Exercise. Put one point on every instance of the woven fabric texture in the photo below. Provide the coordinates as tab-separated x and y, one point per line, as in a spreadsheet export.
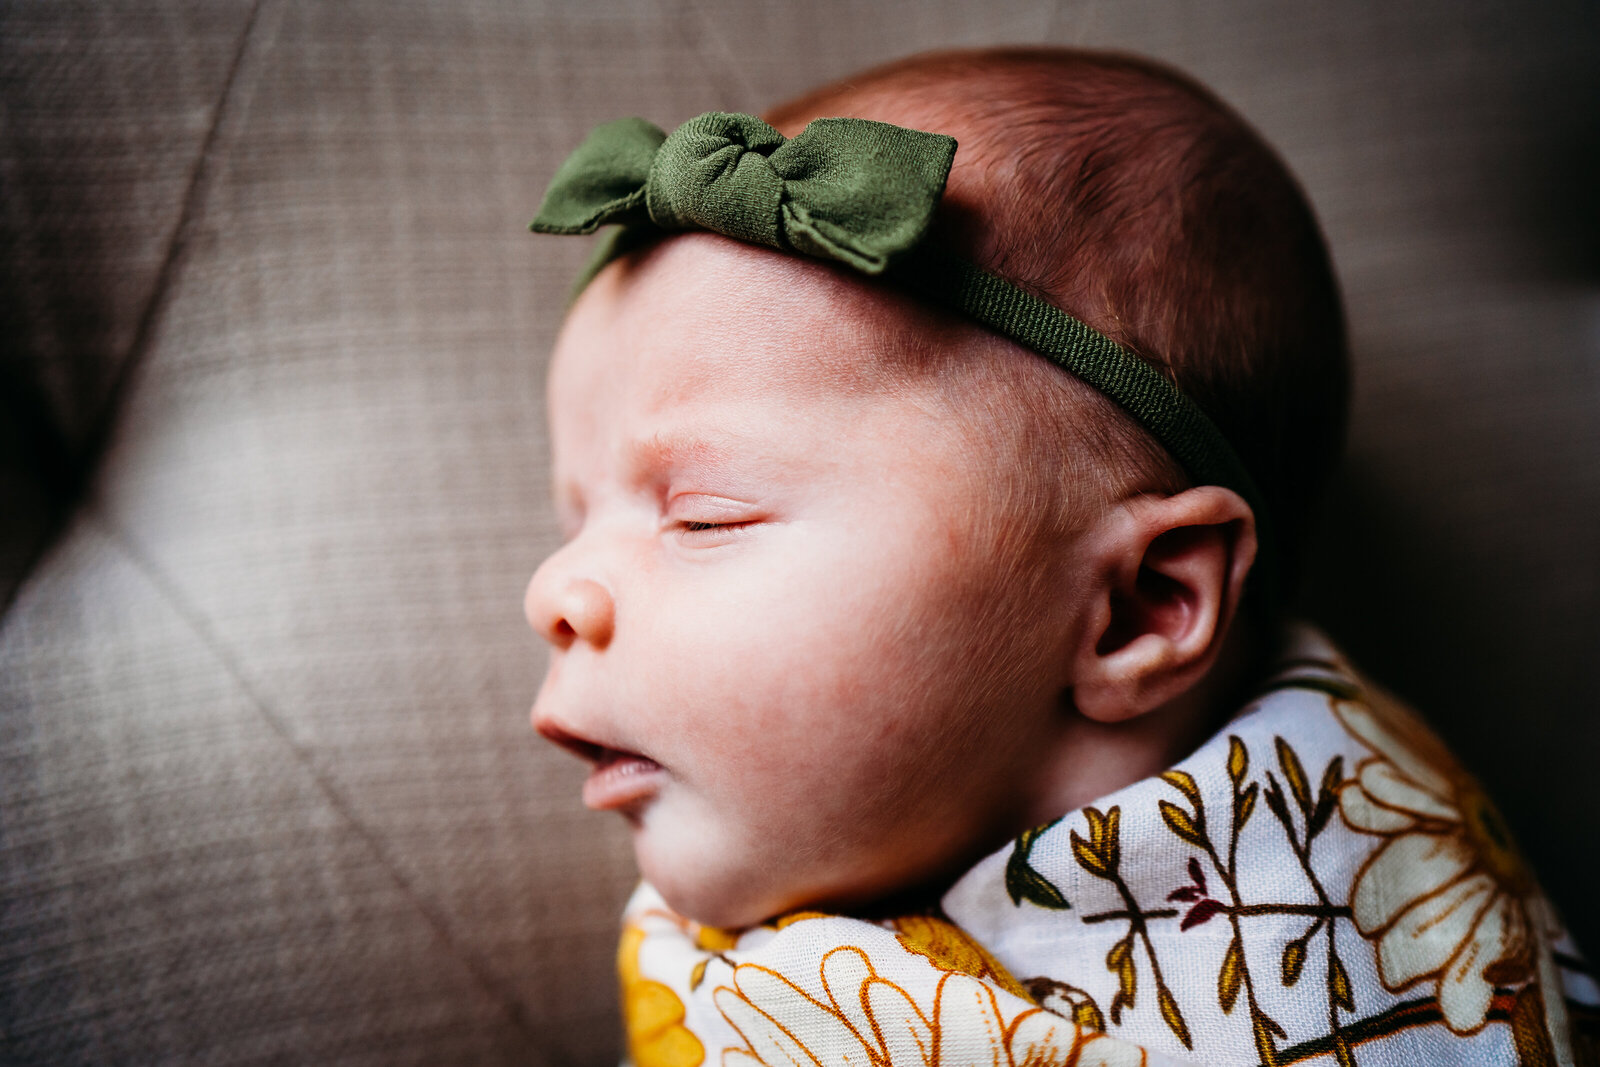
267	787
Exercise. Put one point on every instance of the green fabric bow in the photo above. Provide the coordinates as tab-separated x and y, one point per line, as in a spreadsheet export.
850	190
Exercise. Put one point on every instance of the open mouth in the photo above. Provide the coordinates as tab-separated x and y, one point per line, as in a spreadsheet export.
621	780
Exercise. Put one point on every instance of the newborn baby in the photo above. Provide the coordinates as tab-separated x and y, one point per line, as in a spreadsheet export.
945	691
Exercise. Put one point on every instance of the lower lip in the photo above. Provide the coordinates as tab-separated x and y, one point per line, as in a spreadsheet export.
621	781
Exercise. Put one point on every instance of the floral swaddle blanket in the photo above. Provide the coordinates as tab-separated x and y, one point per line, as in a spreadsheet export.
1318	883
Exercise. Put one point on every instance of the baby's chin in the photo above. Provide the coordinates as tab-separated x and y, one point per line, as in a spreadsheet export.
712	896
706	878
734	895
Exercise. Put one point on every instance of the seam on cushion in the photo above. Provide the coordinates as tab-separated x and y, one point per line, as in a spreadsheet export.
489	984
79	469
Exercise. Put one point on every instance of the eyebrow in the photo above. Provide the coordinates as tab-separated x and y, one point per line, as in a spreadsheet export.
669	446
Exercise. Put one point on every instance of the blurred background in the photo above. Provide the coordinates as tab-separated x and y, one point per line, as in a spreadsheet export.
272	471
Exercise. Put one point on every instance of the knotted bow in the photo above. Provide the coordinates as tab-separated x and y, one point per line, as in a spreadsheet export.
850	190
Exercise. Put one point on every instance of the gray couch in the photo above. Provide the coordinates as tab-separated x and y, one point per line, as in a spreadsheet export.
273	473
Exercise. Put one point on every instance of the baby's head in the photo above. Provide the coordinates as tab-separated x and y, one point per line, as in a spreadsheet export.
854	588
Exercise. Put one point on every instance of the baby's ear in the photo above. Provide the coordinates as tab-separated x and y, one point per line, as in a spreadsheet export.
1171	572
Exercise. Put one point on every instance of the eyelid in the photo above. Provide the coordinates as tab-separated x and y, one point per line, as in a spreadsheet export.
708	507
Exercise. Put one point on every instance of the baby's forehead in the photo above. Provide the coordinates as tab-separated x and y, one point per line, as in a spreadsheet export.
701	315
700	334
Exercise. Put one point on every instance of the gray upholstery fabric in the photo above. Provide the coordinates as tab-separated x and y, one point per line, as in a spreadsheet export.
196	887
105	110
267	788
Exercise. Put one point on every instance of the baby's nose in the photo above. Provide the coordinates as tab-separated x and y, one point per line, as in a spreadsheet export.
563	608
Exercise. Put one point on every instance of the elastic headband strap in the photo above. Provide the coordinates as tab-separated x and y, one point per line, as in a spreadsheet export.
863	194
1147	395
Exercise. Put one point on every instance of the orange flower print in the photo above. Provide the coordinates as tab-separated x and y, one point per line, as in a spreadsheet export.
869	1021
1446	895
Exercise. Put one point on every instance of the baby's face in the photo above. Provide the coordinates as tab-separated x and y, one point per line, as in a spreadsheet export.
806	625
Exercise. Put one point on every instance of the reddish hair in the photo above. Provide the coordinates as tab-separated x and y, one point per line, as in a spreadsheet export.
1129	196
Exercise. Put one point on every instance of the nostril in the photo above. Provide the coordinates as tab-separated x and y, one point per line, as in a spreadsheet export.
566	610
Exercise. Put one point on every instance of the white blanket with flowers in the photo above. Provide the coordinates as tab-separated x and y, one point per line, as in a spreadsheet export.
1318	883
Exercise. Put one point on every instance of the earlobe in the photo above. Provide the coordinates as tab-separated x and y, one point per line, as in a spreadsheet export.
1173	570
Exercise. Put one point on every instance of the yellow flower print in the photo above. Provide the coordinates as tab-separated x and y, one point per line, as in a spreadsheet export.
950	948
868	1021
652	1013
713	938
1446	895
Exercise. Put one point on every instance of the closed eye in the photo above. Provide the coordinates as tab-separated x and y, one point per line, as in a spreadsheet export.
697	527
704	519
698	533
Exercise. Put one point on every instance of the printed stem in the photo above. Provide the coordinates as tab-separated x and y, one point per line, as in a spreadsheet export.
1136	923
1341	1045
1302	852
1403	1016
1316	911
1111	916
1319	911
1264	1042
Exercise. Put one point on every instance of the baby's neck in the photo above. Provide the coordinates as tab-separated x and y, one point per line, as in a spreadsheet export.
1099	758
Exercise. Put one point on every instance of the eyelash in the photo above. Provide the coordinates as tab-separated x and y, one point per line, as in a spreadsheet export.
706	534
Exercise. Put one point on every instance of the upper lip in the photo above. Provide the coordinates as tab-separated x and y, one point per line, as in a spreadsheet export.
582	747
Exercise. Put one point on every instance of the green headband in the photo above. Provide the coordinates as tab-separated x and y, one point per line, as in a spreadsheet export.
864	193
